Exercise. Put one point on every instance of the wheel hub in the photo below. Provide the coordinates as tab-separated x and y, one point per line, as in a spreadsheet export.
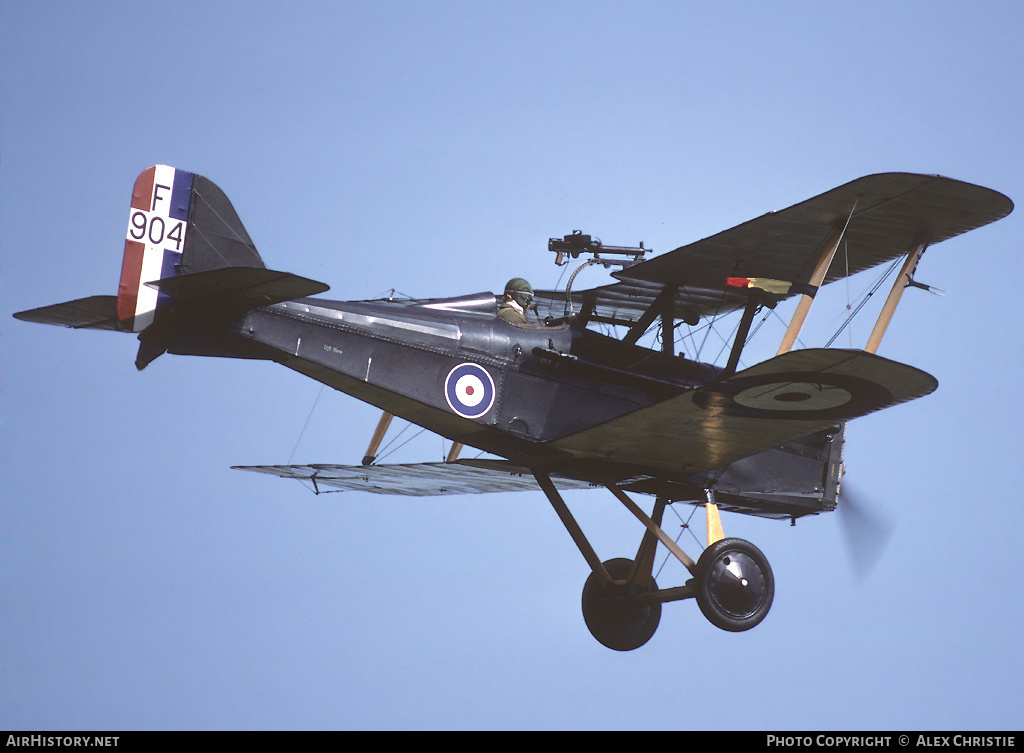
737	583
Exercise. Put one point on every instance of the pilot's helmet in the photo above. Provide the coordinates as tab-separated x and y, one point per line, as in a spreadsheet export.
519	290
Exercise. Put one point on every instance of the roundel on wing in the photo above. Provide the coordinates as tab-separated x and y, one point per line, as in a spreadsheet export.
469	390
794	395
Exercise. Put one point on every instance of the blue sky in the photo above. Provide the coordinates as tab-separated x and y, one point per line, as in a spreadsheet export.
433	148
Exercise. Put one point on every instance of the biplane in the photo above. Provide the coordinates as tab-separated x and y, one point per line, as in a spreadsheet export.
573	400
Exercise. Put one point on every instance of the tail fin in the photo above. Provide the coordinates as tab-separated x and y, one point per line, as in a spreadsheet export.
179	223
185	249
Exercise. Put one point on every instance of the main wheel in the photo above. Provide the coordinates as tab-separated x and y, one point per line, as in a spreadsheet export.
613	615
735	585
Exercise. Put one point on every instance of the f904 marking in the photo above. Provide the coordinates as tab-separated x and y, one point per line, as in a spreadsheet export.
155	229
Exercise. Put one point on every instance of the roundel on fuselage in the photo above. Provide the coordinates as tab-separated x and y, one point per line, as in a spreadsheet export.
469	390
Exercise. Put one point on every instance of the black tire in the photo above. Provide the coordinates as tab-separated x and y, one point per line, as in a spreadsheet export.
612	616
734	585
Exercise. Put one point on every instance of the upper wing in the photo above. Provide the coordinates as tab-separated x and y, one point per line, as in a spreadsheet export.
418	479
781	399
885	216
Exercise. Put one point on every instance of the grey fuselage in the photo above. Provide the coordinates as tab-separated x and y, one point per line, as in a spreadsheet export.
548	381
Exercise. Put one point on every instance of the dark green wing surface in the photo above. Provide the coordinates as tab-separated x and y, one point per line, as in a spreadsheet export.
784	398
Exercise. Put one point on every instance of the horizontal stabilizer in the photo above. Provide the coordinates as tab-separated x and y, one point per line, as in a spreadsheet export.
96	312
418	479
237	288
784	398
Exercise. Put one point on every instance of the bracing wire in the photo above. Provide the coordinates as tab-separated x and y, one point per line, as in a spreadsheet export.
863	301
303	431
385	452
685	527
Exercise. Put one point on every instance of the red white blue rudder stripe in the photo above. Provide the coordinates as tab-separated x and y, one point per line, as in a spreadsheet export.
469	390
155	239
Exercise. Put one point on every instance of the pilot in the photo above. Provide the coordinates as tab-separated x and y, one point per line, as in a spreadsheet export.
518	295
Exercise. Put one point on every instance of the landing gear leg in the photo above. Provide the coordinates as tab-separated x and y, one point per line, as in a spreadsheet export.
621	600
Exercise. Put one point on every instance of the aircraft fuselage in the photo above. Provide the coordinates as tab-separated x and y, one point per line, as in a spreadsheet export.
466	375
